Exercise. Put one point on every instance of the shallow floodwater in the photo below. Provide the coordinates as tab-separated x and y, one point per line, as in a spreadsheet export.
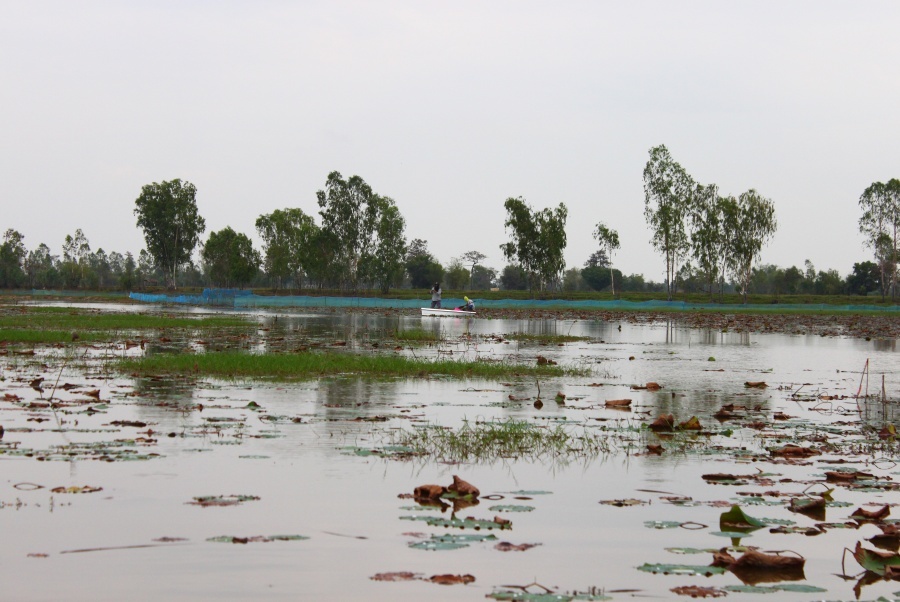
304	453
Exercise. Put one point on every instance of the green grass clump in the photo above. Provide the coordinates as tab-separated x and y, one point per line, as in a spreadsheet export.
312	364
57	318
510	439
58	324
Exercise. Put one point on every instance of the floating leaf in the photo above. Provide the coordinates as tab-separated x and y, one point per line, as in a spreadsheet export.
256	538
511	508
695	591
399	576
459	523
737	519
662	524
222	500
875	560
451	541
681	569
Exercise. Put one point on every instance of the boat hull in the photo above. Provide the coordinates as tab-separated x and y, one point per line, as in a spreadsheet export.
449	313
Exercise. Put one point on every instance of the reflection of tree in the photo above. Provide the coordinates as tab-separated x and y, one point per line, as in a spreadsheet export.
355	398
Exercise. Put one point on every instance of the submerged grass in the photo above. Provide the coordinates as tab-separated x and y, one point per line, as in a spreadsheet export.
57	324
497	440
545	338
311	364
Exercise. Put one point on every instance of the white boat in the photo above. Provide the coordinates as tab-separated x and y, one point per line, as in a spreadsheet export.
457	313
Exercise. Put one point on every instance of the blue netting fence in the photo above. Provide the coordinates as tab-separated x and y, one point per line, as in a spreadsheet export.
240	299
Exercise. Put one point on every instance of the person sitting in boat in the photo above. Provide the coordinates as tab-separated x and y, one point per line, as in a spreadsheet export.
436	296
469	305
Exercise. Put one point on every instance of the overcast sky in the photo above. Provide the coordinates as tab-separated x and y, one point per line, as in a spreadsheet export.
449	108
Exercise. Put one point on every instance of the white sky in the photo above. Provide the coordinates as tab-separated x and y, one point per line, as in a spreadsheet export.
448	108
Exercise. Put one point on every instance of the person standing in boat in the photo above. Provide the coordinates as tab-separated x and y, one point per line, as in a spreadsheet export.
436	296
469	305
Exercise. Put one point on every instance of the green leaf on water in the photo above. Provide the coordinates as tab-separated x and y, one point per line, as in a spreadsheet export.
662	524
459	523
875	560
525	596
511	508
771	589
736	518
681	569
452	541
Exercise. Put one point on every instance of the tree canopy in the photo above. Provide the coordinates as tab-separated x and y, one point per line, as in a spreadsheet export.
167	212
289	243
364	233
537	241
667	191
231	260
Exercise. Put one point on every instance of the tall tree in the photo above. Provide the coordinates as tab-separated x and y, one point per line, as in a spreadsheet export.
41	268
289	243
474	258
12	259
708	233
385	264
667	191
75	260
230	258
350	214
879	223
423	269
167	212
537	241
756	216
609	242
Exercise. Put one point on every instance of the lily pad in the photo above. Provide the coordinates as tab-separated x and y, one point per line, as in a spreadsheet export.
511	508
451	541
681	569
459	523
801	588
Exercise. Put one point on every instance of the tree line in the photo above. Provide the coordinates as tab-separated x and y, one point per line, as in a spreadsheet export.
710	242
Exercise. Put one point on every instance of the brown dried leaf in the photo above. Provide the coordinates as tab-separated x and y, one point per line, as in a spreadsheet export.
429	492
451	579
398	576
695	591
505	546
463	488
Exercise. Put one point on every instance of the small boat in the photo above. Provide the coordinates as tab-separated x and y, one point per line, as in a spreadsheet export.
457	313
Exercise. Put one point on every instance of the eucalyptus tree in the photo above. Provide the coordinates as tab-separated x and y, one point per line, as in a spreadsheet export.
538	240
879	224
289	244
755	215
474	258
712	221
167	212
609	242
41	268
75	259
385	264
667	192
360	225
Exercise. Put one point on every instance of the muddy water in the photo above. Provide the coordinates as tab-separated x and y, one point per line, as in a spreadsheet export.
300	453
